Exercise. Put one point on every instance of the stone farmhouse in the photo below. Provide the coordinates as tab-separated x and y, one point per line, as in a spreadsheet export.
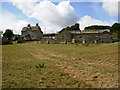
67	36
32	32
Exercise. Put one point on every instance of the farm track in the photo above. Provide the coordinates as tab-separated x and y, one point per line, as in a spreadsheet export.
71	67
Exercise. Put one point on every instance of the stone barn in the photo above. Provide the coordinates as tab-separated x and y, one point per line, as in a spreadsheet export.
105	37
66	36
100	36
32	32
63	36
77	36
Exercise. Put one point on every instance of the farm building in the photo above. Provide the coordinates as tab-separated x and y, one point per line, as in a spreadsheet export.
67	36
32	32
101	36
63	36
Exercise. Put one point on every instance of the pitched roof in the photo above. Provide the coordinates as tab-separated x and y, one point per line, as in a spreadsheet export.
35	27
71	31
32	28
24	28
75	32
96	31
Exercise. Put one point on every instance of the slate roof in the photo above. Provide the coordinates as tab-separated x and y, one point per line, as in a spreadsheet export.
71	31
87	32
35	27
96	31
24	28
32	28
75	32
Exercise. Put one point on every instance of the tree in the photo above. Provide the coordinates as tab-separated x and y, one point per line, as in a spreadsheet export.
1	32
115	29
73	27
8	34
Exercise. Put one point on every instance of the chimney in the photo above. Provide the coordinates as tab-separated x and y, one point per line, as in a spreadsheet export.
36	24
28	25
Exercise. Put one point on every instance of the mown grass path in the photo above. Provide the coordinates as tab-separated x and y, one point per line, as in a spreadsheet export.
66	66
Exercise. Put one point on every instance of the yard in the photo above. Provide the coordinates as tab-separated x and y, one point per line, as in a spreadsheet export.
65	66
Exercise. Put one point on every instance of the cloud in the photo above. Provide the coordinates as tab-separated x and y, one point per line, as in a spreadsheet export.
26	6
10	21
111	7
52	17
49	14
88	21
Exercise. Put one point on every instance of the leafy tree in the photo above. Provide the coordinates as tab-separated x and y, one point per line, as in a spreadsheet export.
1	32
8	34
73	27
115	29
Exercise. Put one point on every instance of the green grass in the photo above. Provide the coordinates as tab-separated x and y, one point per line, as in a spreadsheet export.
65	66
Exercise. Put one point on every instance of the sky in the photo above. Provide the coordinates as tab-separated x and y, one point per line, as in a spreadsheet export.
53	16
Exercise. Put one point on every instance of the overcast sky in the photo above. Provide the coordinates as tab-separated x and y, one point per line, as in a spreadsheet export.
53	16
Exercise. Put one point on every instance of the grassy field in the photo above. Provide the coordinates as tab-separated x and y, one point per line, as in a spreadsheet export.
65	66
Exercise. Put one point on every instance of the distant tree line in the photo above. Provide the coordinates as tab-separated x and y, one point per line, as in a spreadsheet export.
114	29
96	27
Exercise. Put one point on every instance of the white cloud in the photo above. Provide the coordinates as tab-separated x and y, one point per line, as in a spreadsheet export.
10	21
25	7
49	14
111	7
58	15
52	17
88	21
